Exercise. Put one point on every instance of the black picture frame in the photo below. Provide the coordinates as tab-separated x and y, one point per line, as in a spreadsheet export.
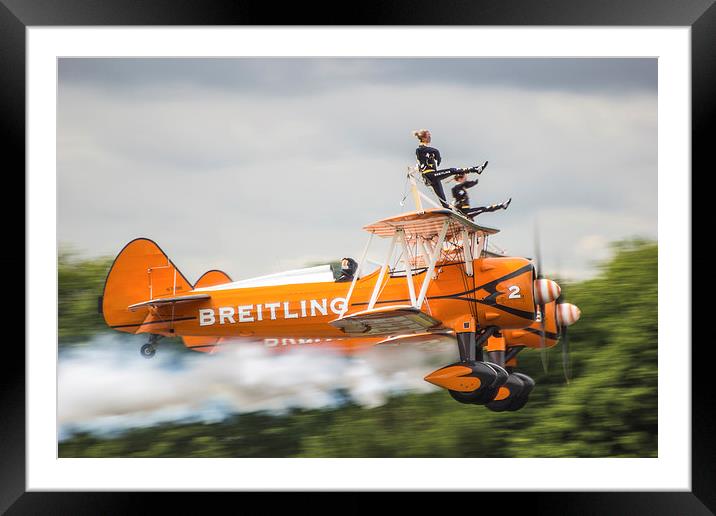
17	15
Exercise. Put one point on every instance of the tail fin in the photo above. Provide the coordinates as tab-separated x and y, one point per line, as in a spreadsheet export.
207	344
141	271
212	278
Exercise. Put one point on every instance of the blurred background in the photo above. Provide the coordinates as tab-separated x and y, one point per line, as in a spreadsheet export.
258	165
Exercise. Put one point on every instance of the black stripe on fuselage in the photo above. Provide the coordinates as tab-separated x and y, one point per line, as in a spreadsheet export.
490	286
547	334
508	309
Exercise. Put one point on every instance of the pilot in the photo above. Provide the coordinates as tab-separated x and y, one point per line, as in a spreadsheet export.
348	269
461	200
428	162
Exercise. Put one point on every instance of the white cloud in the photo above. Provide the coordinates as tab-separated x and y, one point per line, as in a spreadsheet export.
251	181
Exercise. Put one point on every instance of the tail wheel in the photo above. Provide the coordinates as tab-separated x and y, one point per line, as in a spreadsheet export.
147	351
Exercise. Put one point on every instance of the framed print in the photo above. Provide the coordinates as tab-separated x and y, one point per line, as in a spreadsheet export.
175	162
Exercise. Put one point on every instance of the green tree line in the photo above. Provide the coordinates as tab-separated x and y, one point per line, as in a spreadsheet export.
609	409
80	282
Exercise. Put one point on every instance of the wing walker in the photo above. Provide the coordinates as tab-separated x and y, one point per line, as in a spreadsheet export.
438	282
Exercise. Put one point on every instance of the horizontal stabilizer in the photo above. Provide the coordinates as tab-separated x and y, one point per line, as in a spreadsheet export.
168	300
387	320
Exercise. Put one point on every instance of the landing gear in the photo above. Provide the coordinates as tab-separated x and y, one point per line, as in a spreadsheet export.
149	349
471	380
474	381
491	377
521	400
514	394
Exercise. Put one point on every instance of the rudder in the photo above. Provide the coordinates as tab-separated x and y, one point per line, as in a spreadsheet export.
140	272
207	344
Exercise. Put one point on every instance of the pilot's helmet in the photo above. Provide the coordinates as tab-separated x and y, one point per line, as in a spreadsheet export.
423	136
348	265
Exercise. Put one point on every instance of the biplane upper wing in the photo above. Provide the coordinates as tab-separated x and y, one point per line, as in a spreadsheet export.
386	320
426	224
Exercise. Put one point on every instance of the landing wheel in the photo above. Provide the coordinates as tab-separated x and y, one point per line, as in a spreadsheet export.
468	398
521	401
147	351
518	388
512	390
492	378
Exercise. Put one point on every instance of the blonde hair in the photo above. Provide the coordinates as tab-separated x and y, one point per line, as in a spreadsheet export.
423	135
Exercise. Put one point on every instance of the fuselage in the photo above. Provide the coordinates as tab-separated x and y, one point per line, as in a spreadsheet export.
498	293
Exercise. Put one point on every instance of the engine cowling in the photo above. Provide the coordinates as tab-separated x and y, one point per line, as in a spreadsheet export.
505	292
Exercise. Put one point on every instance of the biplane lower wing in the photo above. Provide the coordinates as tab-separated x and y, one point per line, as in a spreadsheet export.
436	340
386	320
168	300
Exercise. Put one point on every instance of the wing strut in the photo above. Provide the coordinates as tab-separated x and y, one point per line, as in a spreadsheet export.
408	268
417	194
433	260
356	275
466	241
426	248
386	264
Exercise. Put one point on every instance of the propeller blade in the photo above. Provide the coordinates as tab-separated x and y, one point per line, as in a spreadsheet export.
566	359
566	362
542	344
538	253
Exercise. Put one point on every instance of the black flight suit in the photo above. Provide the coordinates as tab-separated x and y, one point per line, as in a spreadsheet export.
462	201
429	161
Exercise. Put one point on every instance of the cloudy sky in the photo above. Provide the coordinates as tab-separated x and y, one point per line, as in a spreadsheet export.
258	165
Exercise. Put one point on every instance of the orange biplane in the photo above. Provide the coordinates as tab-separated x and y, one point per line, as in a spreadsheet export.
437	282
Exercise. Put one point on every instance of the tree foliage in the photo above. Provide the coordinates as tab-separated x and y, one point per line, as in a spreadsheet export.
79	284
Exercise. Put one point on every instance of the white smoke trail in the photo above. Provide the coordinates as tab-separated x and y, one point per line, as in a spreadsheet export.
106	386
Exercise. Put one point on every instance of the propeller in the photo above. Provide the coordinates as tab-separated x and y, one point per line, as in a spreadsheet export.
563	336
547	291
566	314
544	357
566	362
